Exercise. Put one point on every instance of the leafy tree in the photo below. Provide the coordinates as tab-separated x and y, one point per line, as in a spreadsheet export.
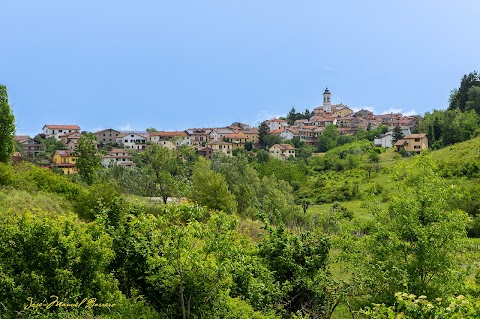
361	133
168	168
262	156
243	182
328	139
276	200
345	139
416	241
376	132
473	102
409	306
300	266
263	131
210	188
45	254
88	161
7	127
272	139
248	146
151	130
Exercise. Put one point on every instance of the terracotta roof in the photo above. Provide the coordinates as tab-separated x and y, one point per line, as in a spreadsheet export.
58	127
401	142
284	146
236	135
169	134
277	131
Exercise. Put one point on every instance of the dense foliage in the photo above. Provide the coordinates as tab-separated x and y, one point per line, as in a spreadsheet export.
7	127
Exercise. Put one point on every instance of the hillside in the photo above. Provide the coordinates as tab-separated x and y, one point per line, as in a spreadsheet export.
264	258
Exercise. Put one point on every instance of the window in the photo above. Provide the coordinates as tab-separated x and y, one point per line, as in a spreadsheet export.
417	147
417	140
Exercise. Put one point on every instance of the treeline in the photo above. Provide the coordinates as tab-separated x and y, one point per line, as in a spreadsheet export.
461	121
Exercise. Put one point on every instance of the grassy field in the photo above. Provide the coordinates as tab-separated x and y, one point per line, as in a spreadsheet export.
21	200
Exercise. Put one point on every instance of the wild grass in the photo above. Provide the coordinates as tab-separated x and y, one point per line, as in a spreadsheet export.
22	200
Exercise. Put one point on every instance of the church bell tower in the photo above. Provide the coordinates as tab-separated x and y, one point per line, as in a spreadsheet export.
326	98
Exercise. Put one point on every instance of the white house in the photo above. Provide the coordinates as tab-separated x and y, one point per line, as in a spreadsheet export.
131	140
53	130
217	134
276	124
385	140
117	156
285	133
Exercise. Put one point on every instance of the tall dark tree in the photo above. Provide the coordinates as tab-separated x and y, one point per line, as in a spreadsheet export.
7	127
459	97
292	116
307	114
263	131
397	134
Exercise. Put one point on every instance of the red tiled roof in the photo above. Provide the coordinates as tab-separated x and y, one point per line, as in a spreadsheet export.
58	127
236	135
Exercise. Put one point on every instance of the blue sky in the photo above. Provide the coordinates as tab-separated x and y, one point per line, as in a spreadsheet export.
180	64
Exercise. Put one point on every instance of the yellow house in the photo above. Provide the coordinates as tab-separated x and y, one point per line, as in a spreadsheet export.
342	111
252	135
413	143
237	139
223	147
282	151
66	161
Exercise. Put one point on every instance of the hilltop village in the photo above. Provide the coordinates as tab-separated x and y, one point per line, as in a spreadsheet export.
118	146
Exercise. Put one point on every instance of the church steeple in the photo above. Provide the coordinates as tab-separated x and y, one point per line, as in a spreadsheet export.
326	98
